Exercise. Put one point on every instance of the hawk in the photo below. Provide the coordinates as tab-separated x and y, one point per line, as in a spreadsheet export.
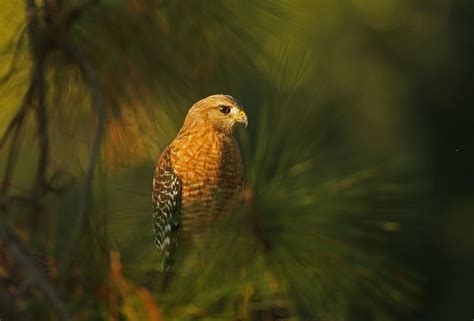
198	177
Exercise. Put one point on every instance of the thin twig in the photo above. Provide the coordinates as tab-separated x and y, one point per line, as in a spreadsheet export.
14	127
11	160
42	122
92	80
14	63
23	258
19	116
38	53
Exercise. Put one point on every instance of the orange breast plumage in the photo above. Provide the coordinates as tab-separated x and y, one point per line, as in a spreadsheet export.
209	168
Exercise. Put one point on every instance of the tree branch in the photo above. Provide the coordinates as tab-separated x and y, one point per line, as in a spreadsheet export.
14	127
34	274
19	116
92	80
16	54
38	53
42	122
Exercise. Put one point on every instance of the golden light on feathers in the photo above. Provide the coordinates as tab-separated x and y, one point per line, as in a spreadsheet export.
211	111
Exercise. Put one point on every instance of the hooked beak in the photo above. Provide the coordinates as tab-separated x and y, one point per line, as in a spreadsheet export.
242	118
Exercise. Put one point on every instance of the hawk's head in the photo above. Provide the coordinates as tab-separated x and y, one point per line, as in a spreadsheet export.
220	111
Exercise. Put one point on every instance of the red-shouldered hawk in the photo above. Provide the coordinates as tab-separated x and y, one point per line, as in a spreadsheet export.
199	175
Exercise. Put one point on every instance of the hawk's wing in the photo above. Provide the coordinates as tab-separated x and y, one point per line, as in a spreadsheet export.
166	202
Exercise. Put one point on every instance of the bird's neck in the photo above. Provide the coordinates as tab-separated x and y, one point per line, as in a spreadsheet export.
193	136
193	146
199	126
200	129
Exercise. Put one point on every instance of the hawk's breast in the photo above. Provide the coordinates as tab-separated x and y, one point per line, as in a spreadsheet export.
210	170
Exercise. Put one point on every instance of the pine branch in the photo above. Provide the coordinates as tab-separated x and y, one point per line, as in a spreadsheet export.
91	78
35	276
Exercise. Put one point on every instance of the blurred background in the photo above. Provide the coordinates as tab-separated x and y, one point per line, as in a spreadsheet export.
358	158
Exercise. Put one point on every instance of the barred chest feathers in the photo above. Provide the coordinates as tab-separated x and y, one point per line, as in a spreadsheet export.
208	164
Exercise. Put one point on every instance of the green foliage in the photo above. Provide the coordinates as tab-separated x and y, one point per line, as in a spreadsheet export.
343	166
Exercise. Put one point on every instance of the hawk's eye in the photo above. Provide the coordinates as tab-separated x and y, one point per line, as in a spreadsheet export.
224	109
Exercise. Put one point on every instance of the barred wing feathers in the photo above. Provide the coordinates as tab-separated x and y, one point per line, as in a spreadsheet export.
166	207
